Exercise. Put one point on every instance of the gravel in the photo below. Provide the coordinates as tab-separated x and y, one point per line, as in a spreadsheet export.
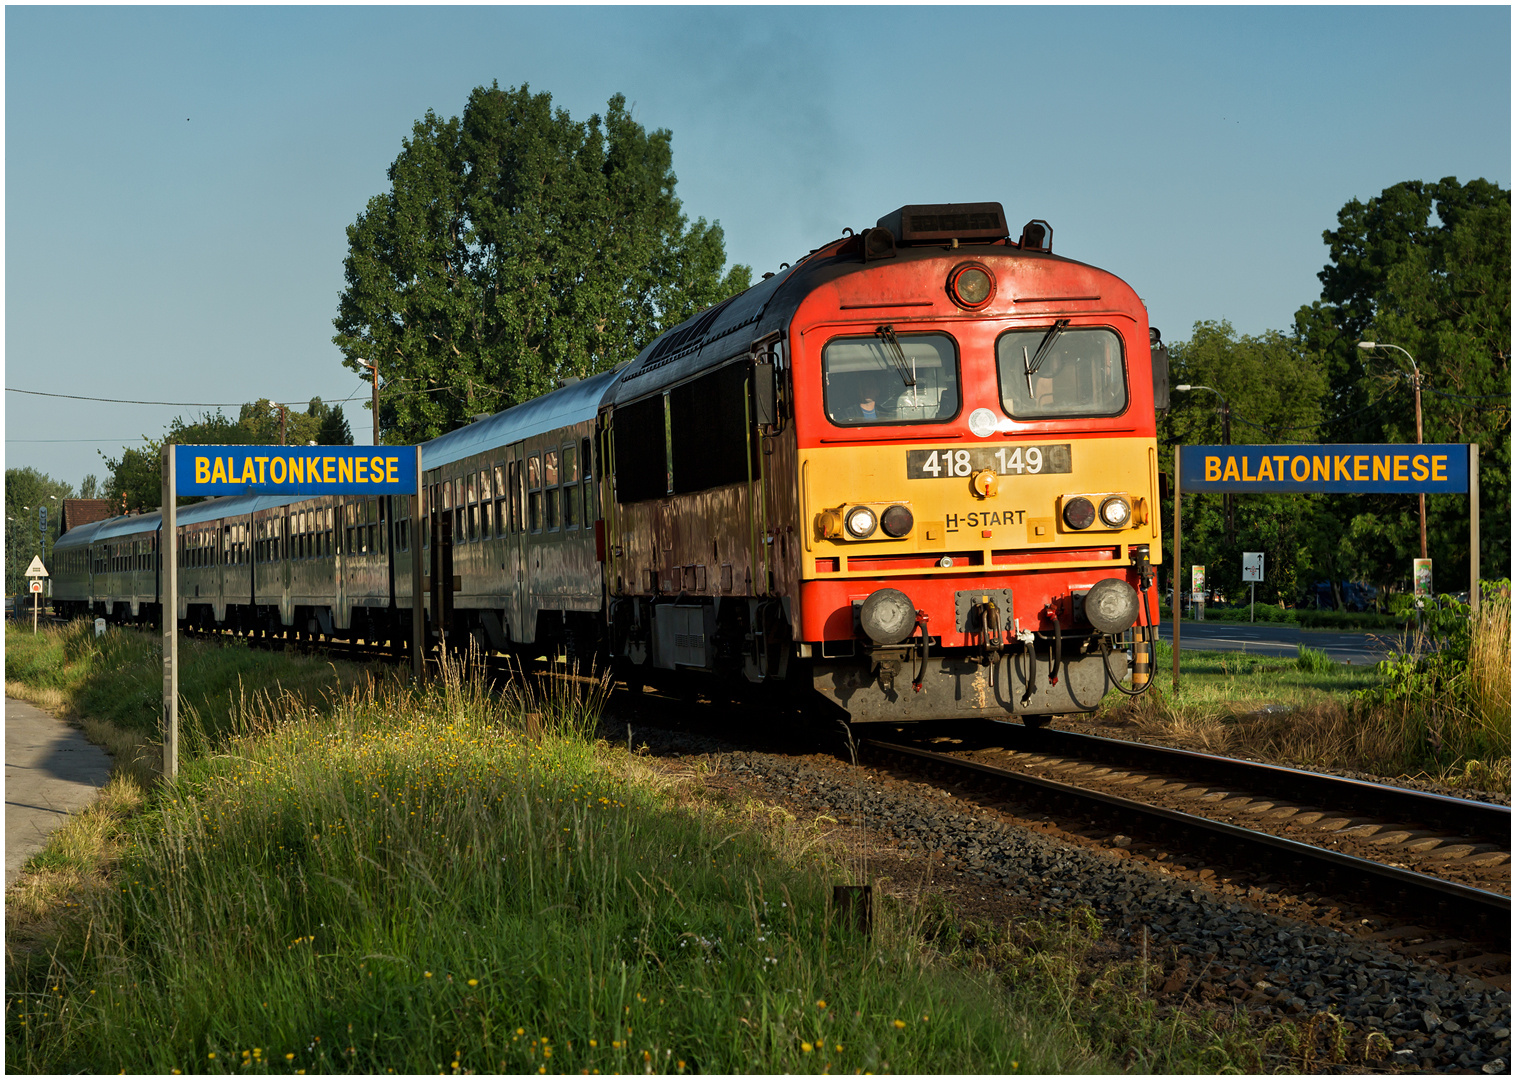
1434	1019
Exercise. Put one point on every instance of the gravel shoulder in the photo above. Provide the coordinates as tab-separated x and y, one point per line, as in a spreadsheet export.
1220	946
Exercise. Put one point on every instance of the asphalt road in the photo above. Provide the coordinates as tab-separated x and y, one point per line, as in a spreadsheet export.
51	770
1271	639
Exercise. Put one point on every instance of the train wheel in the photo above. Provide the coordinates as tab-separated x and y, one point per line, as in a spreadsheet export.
1036	721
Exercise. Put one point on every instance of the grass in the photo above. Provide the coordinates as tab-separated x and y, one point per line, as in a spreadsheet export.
460	881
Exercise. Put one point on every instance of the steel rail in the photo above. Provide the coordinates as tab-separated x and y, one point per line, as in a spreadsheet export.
1466	817
1473	914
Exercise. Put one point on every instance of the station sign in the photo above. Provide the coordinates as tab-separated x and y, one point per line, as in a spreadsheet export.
1343	468
295	470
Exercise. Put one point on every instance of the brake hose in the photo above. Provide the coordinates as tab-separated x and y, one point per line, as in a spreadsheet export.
922	619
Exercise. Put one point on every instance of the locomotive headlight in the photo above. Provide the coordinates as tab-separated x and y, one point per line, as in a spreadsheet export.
1079	512
1115	512
861	522
971	285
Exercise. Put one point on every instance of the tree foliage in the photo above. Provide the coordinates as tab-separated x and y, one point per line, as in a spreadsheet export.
25	490
517	246
1425	266
1275	391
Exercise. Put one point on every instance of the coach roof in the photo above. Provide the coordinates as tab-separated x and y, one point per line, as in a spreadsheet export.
574	404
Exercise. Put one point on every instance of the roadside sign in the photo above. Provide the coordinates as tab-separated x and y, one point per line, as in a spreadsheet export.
36	569
1252	566
1421	577
36	585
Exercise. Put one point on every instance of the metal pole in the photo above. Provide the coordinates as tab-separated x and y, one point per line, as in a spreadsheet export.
418	616
1174	574
168	562
1421	496
373	373
1473	528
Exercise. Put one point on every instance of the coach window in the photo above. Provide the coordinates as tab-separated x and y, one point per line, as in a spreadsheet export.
1050	371
534	493
550	485
373	527
589	492
501	512
484	504
888	379
473	508
570	481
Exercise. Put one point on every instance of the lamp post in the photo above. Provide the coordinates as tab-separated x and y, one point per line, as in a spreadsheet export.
1226	439
1421	497
373	371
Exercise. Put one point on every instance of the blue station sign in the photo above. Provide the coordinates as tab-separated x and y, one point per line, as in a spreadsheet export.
295	470
1341	468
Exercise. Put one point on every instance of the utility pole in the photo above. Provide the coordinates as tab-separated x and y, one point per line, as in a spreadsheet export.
283	415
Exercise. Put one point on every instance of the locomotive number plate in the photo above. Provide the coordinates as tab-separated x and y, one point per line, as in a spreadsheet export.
1018	460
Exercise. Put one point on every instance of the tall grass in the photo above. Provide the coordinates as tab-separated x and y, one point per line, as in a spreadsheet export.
410	880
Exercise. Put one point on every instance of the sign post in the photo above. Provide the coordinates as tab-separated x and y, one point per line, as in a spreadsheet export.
280	471
1252	573
35	571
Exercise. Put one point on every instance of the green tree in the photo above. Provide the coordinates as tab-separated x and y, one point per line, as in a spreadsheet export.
517	246
1425	266
27	489
1275	392
334	430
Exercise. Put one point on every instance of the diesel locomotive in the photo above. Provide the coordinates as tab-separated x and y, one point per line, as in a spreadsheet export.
913	475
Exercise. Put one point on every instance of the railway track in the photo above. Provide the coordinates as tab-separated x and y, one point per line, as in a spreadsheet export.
1070	776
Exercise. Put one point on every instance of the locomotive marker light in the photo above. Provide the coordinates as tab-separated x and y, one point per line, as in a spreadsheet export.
861	522
275	470
1079	512
897	521
1115	512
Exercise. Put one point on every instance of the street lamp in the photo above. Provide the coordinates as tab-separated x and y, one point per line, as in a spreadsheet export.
1421	497
1226	439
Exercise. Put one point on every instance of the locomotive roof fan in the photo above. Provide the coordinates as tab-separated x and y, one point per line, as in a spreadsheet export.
937	223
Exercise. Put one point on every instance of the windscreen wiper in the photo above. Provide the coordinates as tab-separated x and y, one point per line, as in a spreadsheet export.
896	354
1035	362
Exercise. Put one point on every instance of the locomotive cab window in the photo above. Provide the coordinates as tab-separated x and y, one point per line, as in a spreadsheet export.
1055	371
890	379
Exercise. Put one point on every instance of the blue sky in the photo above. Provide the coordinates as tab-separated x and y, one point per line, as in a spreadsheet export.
178	179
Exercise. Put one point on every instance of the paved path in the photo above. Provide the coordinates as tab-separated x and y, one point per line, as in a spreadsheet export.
50	770
1272	639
